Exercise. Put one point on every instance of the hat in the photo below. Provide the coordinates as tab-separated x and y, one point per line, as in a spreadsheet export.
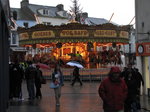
115	70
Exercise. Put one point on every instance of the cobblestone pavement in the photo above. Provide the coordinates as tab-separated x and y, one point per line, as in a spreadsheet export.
74	99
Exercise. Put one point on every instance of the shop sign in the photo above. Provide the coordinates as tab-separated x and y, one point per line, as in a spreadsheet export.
143	49
74	33
23	36
105	33
42	34
124	34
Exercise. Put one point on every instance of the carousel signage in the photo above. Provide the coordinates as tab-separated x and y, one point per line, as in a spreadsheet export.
74	33
124	34
43	34
105	33
24	36
143	49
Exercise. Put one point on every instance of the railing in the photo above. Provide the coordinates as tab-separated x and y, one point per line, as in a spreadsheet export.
86	74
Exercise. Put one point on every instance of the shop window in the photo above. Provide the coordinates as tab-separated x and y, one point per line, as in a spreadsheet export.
47	23
14	39
26	25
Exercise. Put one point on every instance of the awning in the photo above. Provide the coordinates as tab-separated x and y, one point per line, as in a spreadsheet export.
19	49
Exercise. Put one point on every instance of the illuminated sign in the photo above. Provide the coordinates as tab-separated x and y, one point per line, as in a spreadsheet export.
23	36
124	34
105	33
43	34
74	33
143	49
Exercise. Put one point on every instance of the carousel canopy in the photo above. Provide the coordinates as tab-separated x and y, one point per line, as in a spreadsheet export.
74	32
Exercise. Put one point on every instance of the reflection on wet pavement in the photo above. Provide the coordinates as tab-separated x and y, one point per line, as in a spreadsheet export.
73	99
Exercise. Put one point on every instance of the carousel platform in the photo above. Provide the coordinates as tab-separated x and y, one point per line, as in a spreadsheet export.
93	74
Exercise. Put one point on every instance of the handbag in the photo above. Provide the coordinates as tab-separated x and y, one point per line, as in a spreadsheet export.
53	86
43	81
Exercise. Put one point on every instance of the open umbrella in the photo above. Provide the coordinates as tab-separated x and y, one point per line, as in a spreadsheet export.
75	63
42	66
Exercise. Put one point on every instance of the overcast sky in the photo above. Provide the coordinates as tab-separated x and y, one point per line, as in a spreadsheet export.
124	10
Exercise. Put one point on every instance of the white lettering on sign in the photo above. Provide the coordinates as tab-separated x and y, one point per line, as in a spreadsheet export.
147	47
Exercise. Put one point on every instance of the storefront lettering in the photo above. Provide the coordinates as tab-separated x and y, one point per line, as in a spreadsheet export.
105	33
42	34
147	47
74	33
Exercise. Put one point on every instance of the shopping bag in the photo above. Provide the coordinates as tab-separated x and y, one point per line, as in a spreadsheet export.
52	85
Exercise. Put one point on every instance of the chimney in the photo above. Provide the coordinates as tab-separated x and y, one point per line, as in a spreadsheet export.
24	3
85	15
60	7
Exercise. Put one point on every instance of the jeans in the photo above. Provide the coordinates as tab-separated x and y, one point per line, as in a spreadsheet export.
30	87
57	94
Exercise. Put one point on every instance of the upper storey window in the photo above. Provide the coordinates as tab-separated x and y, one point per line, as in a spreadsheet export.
45	12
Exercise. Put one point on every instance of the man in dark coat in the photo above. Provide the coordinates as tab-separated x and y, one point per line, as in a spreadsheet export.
16	77
38	81
133	80
30	74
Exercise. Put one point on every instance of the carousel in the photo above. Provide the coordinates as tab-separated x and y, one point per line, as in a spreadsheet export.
93	46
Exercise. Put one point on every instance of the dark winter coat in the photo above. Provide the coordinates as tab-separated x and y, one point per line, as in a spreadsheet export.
30	73
38	78
113	94
76	72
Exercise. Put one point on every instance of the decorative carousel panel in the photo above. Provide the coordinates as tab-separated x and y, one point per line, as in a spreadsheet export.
105	33
43	34
23	36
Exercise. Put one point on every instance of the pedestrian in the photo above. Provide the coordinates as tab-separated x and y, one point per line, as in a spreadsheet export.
139	79
57	78
113	91
76	76
133	80
30	74
16	77
38	82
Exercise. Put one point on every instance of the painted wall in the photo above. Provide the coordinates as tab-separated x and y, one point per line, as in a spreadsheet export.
146	74
53	21
142	14
21	22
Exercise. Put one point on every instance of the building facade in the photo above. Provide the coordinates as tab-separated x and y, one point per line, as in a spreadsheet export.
4	34
143	40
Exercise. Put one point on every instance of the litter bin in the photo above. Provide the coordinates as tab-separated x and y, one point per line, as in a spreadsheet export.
148	90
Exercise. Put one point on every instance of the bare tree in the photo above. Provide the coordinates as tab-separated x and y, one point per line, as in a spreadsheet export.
75	10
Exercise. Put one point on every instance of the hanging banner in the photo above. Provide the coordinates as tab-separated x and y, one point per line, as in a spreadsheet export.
143	49
74	33
105	33
42	34
23	36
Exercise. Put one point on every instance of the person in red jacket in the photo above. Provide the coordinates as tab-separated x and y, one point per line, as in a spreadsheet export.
113	91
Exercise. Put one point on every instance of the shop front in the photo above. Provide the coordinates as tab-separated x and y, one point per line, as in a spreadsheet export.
143	62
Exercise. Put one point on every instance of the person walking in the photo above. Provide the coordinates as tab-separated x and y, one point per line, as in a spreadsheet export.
133	80
57	78
30	74
38	81
113	91
76	76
